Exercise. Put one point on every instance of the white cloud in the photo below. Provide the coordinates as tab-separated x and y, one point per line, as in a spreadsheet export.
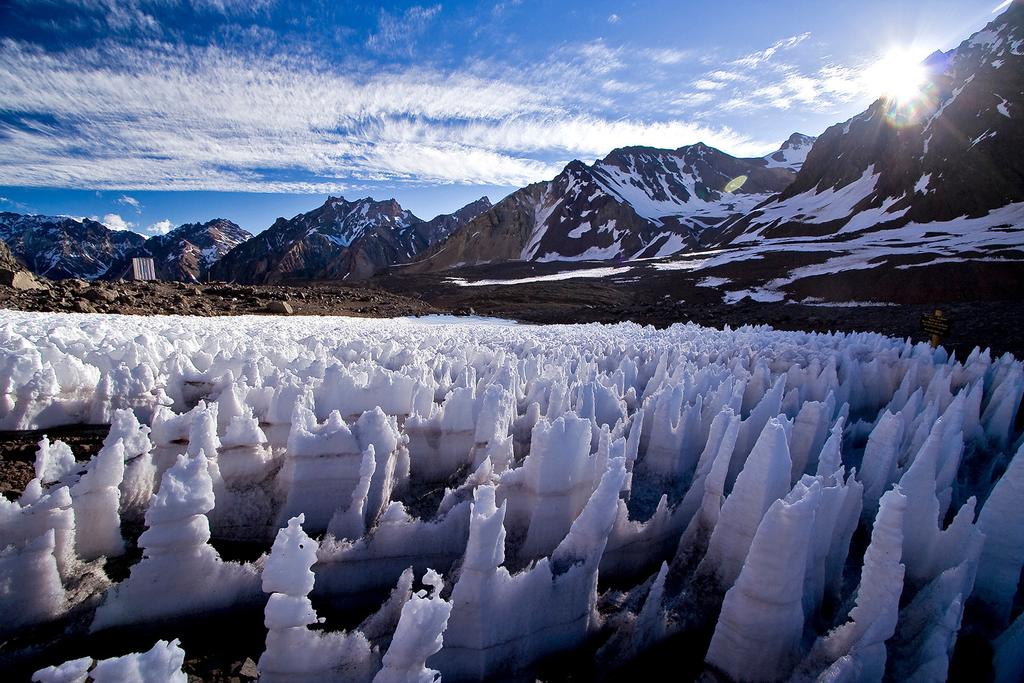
500	7
617	86
599	57
668	56
396	33
206	119
759	81
115	222
820	90
613	18
160	227
1001	6
761	56
707	84
727	75
130	201
692	99
166	116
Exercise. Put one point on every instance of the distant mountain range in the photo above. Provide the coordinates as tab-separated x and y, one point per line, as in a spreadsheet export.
60	247
340	240
943	182
185	253
875	201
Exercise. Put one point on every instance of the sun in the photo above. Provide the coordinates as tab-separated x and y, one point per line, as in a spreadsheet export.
898	76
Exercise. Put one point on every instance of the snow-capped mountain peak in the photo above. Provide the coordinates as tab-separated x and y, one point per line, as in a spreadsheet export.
636	202
792	153
186	253
339	239
60	247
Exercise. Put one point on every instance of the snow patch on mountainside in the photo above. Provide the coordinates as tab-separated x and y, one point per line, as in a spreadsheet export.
553	277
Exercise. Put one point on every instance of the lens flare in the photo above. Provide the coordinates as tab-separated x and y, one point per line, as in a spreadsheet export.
735	184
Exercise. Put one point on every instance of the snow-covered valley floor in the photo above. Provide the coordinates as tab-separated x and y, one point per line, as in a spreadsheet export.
490	496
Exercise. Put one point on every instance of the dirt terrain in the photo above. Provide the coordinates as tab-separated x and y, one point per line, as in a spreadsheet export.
175	298
661	298
648	293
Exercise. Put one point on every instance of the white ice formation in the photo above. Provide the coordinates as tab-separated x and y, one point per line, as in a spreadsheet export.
583	488
160	664
180	572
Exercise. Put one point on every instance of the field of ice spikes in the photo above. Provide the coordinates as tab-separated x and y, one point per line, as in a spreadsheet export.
483	499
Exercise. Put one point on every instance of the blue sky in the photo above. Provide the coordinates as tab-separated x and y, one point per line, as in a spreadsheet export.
150	113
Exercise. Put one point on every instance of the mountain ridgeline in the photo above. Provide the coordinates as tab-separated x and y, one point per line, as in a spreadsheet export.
60	247
186	253
637	202
340	240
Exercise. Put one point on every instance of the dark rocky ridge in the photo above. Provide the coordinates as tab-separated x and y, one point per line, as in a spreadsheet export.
637	202
336	236
953	152
7	260
342	239
438	228
186	253
59	247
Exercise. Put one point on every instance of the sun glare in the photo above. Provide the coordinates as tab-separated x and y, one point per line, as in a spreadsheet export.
898	75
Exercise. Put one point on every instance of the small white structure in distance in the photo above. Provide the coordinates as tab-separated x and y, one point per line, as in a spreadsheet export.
143	269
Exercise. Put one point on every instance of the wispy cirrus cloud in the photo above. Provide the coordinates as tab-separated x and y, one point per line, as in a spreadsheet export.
131	202
708	84
138	17
762	56
668	56
787	87
764	80
395	32
204	118
7	204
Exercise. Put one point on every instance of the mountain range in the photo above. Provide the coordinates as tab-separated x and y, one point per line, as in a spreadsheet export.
939	179
637	202
59	247
186	253
341	239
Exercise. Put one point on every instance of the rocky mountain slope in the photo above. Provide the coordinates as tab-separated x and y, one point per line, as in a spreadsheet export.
186	253
61	247
440	227
341	239
637	202
924	194
7	260
952	152
793	152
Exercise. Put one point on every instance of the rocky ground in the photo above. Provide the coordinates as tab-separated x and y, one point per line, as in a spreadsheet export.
644	294
18	452
166	298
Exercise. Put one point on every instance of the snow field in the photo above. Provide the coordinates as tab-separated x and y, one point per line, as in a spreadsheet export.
543	486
